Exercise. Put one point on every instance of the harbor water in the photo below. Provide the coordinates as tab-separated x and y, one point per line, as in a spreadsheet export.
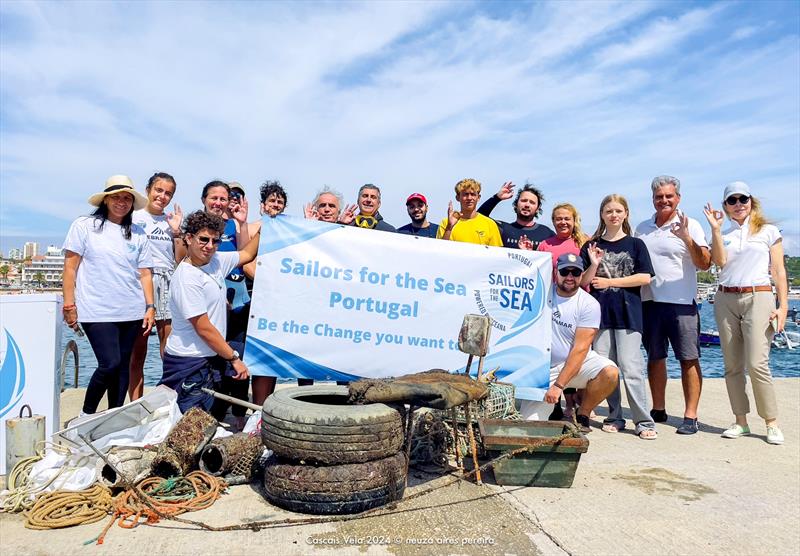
783	362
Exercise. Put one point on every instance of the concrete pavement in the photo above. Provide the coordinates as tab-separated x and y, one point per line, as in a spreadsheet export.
699	494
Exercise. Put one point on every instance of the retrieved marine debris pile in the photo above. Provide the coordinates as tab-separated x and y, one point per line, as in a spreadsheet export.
330	457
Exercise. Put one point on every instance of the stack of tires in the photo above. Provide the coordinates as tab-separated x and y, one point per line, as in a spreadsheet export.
330	457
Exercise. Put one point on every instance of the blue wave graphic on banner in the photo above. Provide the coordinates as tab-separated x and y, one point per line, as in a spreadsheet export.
263	358
12	376
282	231
528	317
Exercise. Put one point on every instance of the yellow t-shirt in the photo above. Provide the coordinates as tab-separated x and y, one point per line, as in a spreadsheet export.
481	230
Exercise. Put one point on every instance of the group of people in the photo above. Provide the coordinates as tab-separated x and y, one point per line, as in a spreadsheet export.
132	265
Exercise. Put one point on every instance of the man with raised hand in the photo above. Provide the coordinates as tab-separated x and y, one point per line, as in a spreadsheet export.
677	248
527	206
327	207
369	201
573	363
468	225
417	207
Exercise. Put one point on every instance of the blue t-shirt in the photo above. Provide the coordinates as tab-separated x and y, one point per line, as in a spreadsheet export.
410	229
234	282
620	308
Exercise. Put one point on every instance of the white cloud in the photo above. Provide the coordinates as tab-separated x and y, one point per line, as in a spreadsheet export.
413	96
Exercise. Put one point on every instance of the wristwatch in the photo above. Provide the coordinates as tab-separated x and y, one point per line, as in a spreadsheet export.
235	356
557	385
149	306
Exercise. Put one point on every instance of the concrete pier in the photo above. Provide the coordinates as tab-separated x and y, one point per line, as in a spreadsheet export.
698	494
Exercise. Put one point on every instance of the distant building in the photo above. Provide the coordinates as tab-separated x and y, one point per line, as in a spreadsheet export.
53	251
15	255
30	250
46	269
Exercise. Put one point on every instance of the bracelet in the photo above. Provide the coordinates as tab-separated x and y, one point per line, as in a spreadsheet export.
557	385
69	307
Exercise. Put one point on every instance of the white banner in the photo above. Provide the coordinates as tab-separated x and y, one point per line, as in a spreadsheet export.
334	302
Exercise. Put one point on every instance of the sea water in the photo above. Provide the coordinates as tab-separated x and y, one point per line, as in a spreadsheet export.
783	362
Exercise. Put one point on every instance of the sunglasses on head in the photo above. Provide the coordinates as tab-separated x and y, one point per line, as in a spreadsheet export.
234	196
733	199
570	270
205	239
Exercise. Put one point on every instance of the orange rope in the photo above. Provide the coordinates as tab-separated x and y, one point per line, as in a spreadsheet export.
198	491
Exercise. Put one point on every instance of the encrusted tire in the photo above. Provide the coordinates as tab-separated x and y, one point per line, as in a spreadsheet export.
335	489
314	424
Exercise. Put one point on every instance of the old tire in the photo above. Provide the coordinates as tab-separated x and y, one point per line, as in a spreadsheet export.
335	489
315	424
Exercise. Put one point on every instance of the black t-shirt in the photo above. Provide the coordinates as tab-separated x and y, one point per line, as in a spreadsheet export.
511	231
620	308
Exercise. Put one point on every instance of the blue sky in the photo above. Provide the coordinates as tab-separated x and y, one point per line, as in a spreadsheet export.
581	98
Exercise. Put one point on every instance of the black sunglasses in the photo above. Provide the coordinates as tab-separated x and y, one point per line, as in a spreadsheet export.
733	199
570	270
205	239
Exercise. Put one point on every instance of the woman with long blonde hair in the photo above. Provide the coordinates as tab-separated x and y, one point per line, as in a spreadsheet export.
617	266
569	237
747	253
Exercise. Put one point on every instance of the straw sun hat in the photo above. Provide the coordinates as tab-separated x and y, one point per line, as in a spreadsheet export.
119	184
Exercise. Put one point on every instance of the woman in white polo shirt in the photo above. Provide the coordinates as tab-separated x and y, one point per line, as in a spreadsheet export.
196	349
108	286
747	252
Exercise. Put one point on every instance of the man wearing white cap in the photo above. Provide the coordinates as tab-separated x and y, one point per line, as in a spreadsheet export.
677	248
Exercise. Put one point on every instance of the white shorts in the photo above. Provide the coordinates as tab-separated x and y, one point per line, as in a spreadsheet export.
592	365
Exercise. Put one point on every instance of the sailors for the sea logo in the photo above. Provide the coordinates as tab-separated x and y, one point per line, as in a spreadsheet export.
12	373
514	299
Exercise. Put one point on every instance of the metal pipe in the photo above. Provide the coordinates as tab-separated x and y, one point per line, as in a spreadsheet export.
232	400
70	347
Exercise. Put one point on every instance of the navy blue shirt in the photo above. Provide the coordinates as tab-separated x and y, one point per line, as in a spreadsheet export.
511	231
410	229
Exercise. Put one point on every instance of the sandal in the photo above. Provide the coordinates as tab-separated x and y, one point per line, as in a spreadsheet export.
610	427
648	434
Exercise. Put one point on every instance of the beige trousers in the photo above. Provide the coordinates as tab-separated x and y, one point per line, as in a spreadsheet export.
745	334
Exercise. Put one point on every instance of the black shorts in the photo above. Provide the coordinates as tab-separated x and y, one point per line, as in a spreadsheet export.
673	323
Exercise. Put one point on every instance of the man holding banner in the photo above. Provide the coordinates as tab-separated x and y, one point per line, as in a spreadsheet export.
573	364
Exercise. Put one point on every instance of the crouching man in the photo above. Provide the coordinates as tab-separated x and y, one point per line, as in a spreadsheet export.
196	349
573	364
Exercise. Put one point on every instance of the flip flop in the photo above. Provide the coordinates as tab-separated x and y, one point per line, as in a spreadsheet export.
648	434
610	427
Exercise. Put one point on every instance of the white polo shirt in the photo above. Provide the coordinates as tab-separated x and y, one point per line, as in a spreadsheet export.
194	291
747	256
675	279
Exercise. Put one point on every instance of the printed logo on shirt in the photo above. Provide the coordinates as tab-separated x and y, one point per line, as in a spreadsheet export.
131	247
158	234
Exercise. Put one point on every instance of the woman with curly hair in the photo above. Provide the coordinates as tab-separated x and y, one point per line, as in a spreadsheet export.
196	349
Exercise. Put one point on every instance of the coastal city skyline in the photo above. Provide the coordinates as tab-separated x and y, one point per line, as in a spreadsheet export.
583	99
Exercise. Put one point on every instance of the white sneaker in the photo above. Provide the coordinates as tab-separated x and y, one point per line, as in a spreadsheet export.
774	435
736	431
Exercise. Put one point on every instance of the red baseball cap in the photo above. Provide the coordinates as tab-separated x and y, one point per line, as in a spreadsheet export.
417	196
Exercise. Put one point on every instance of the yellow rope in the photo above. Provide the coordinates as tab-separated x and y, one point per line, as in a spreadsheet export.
65	508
